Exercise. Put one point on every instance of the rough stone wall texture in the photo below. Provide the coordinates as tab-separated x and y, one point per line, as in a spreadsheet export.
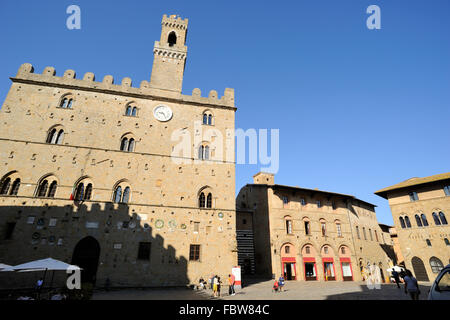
412	241
162	189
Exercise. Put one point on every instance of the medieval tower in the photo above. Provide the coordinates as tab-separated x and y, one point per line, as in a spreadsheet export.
89	174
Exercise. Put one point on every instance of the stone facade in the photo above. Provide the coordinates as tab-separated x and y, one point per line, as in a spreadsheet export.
319	235
98	161
420	208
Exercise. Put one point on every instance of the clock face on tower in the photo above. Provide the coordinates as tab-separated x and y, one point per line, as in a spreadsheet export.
162	113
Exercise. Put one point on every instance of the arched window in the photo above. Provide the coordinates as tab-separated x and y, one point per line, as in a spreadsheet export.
88	192
118	194
446	242
428	242
418	221
79	194
424	220
436	219
124	144
42	190
127	143
134	112
15	187
66	102
129	110
209	200
408	223
172	39
207	118
402	223
126	195
52	189
436	265
443	219
203	152
131	145
201	200
288	226
55	136
5	186
122	193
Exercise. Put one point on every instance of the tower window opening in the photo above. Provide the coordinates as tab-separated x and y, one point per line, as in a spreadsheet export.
172	39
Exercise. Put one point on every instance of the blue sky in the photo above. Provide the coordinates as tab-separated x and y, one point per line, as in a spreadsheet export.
357	109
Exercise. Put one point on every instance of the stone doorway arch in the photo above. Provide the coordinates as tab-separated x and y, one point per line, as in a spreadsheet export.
86	255
419	269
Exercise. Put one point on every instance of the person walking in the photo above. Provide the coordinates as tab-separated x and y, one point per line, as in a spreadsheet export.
215	284
231	291
411	286
281	283
219	284
396	278
39	285
211	282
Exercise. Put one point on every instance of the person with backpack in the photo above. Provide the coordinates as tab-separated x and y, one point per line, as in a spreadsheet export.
281	283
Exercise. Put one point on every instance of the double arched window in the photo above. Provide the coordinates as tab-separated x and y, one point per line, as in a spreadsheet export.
405	222
10	185
83	191
131	111
203	152
66	102
439	219
47	187
122	193
127	143
205	199
207	118
55	135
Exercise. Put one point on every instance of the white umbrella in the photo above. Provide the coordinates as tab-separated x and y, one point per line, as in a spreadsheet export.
44	264
396	268
4	266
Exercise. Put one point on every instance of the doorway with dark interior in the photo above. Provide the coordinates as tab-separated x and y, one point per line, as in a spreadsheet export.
86	255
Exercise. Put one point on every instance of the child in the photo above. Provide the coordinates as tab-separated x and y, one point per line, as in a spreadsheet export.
275	286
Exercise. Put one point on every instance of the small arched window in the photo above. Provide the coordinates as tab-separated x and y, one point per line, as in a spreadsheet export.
207	118
55	136
134	112
424	220
79	194
209	200
203	152
428	242
172	39
128	112
402	222
408	223
15	187
436	219
446	242
122	193
418	221
131	110
127	143
47	187
5	186
88	192
201	200
307	250
443	219
436	265
288	226
66	102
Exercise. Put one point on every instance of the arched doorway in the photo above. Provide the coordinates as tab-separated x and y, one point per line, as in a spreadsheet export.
86	255
419	269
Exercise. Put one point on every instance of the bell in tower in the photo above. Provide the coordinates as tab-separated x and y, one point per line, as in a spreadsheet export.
170	55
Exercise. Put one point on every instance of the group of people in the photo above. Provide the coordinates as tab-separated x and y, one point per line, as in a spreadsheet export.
278	285
411	285
215	284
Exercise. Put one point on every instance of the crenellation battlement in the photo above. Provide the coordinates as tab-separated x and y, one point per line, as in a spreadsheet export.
48	77
174	21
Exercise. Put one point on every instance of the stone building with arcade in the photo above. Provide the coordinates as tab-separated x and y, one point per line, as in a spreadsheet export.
306	234
93	174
